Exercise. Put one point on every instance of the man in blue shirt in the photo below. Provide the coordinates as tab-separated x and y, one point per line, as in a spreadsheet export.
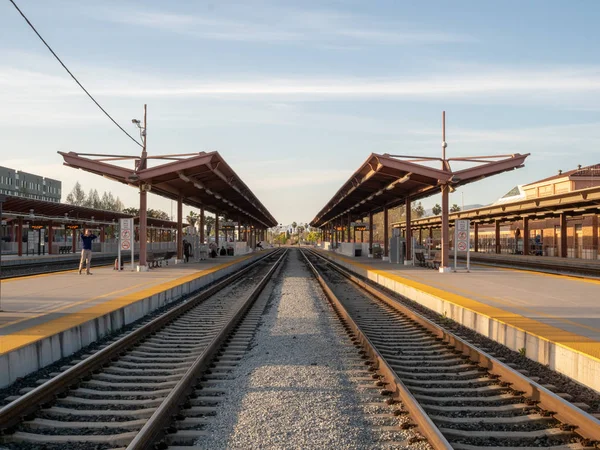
86	250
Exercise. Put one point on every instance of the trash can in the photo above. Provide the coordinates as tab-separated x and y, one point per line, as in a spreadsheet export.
358	252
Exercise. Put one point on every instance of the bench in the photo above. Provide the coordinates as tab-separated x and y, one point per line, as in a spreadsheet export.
64	249
155	259
420	258
436	262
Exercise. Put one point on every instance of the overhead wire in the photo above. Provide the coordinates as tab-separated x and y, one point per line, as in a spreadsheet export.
73	76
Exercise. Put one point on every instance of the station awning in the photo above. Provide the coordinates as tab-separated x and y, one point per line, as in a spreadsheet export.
387	181
573	204
44	211
199	180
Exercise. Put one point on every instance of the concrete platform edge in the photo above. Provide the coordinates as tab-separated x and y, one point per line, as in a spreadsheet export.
578	366
25	360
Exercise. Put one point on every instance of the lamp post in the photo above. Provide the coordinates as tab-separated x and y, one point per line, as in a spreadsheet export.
2	200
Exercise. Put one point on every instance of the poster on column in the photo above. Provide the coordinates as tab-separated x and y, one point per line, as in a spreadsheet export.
126	240
462	241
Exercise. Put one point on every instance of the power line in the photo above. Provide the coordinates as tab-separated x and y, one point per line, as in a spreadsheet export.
73	76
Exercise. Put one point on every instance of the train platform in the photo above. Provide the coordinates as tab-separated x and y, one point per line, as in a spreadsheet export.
15	260
554	319
47	317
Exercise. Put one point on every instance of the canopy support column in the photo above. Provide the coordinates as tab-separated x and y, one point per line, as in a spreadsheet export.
20	237
202	225
371	234
143	225
386	254
476	237
445	231
180	228
217	228
408	258
563	235
51	238
497	233
525	236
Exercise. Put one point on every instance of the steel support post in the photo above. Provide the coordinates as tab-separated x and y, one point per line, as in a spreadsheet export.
217	228
143	226
445	231
179	228
497	233
371	233
386	243
476	236
202	225
525	236
408	230
563	235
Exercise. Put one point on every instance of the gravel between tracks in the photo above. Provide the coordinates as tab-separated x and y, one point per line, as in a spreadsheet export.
294	389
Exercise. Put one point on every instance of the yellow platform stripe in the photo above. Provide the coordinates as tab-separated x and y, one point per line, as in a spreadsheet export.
567	339
28	336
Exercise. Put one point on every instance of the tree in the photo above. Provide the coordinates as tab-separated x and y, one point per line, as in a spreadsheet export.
76	196
294	224
132	211
192	218
436	210
209	222
417	210
455	208
158	214
93	200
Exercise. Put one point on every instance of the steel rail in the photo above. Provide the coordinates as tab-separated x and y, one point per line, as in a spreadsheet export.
154	429
14	412
399	392
587	425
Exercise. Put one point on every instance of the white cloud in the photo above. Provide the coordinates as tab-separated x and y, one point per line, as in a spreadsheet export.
274	25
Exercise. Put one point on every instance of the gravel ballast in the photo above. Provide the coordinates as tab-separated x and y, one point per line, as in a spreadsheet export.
303	384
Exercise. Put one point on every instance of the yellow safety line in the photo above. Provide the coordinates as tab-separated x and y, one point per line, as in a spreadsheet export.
25	337
580	344
70	305
40	275
545	274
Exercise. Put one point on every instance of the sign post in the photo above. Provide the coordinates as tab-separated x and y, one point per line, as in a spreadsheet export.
461	241
126	239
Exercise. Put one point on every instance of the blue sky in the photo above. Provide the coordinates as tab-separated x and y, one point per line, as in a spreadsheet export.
296	95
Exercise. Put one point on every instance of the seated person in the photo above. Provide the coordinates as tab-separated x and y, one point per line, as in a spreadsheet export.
259	246
223	252
213	253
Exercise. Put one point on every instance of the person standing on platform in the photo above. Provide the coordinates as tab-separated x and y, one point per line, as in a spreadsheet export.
187	250
86	250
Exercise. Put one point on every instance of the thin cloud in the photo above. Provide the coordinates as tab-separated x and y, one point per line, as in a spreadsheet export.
279	25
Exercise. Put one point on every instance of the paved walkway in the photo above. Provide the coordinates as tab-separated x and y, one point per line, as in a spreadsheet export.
40	305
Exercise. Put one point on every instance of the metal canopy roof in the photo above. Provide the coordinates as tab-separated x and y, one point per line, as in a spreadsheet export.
200	179
62	212
385	180
576	203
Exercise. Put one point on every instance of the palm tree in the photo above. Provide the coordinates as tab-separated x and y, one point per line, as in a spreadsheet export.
192	218
209	221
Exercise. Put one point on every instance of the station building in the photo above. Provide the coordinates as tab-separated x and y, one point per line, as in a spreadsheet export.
555	216
28	185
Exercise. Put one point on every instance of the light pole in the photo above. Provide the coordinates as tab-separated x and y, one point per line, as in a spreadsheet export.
143	193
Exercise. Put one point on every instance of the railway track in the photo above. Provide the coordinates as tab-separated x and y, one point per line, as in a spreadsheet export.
40	268
459	396
130	393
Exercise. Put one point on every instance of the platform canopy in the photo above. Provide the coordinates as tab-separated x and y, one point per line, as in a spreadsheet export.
388	181
201	180
44	211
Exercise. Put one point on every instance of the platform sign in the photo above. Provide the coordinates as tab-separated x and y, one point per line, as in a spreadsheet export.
126	242
228	225
359	226
461	241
